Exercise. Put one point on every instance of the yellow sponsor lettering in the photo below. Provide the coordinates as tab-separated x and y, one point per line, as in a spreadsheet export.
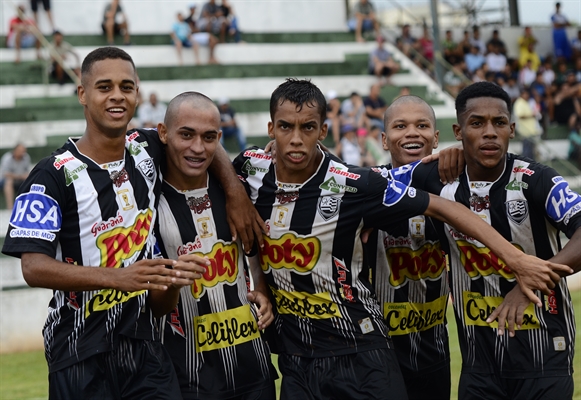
482	261
225	329
107	299
223	268
477	308
290	251
427	262
404	318
121	243
306	305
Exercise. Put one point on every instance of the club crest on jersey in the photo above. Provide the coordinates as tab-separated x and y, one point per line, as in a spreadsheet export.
515	184
223	268
250	169
280	215
35	215
147	168
199	204
332	186
517	210
125	199
204	227
283	197
119	177
479	203
328	206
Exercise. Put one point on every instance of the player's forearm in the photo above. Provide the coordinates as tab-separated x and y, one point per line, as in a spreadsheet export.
570	254
223	170
162	302
258	276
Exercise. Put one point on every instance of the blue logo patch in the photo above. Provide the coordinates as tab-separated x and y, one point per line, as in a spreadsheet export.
36	211
404	174
394	192
561	200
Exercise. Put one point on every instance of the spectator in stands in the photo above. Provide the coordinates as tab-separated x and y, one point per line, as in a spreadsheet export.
212	20
527	117
381	64
465	45
66	52
426	45
495	60
474	59
151	113
232	21
46	6
375	106
229	125
529	54
353	111
526	75
561	44
567	102
562	72
576	46
548	72
526	39
575	147
115	23
14	169
405	42
373	148
333	118
451	49
453	79
510	86
350	150
477	40
480	74
183	36
363	19
20	34
191	19
495	40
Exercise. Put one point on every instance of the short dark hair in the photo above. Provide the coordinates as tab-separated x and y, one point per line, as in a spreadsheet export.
477	90
300	92
104	53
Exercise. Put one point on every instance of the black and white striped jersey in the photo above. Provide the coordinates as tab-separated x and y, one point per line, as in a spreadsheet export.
410	278
529	205
313	257
77	211
212	334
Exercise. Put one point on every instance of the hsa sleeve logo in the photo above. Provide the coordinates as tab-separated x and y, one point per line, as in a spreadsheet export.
35	215
562	201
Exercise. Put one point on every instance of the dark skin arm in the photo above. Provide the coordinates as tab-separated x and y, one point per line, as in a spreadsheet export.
243	218
451	162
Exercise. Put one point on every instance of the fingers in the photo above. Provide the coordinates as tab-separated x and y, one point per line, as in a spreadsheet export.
265	315
511	320
531	296
269	146
561	268
365	234
430	158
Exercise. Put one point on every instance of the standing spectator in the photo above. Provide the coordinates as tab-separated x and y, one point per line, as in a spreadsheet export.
426	45
353	111
405	42
529	54
151	113
363	19
212	20
495	40
527	123
560	40
465	45
115	23
474	59
375	106
451	49
183	36
46	6
567	102
66	51
381	63
495	60
477	40
14	168
20	34
228	123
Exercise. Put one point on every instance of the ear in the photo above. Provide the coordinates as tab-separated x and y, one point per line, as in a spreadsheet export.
384	141
81	95
162	132
512	130
323	133
270	130
436	139
219	135
457	131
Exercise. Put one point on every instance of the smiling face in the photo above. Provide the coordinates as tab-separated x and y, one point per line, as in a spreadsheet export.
191	137
410	132
485	131
296	130
109	95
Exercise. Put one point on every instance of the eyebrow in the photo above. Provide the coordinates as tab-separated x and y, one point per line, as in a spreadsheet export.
187	128
110	80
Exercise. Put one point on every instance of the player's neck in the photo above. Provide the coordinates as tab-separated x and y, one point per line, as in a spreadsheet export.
182	182
102	148
480	173
286	175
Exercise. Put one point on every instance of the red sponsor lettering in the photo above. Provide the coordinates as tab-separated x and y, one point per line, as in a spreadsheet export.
427	262
189	247
121	243
551	303
522	169
254	154
174	322
59	162
482	261
223	268
300	254
342	280
103	226
132	137
346	174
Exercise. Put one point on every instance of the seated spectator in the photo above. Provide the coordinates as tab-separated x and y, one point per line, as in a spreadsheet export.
576	46
46	6
479	75
464	46
451	49
567	102
495	60
333	119
183	36
530	54
115	23
526	39
363	19
548	73
353	111
191	19
212	20
511	87
453	81
20	34
66	52
151	113
405	42
527	118
426	45
375	106
228	124
14	169
477	41
350	150
232	22
527	75
381	64
495	40
474	59
562	72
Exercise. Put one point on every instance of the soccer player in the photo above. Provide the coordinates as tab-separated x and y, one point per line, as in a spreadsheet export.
330	331
409	268
212	334
529	204
82	226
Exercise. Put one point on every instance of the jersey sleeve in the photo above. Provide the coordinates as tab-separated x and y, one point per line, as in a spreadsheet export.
36	218
419	175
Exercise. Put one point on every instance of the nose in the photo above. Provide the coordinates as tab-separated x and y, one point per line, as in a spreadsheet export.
296	136
489	130
117	94
196	144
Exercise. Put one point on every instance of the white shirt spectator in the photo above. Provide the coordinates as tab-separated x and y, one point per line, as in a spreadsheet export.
496	62
151	113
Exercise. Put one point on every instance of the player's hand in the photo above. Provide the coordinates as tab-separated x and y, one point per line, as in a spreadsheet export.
511	310
244	220
271	148
451	162
265	314
188	268
532	273
145	275
365	233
